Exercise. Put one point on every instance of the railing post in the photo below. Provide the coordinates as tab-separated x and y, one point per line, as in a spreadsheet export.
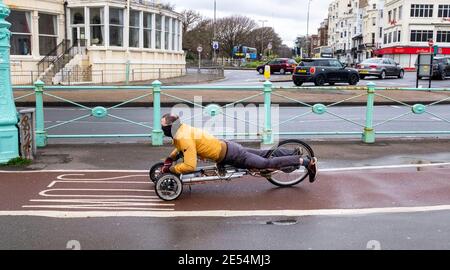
157	134
41	134
369	132
267	133
9	135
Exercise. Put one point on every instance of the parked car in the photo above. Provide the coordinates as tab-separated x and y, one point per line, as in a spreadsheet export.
324	70
380	67
441	67
281	65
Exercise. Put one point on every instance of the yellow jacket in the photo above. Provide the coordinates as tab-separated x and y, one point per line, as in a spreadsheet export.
195	143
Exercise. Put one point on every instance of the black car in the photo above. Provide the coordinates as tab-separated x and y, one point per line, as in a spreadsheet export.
324	70
441	67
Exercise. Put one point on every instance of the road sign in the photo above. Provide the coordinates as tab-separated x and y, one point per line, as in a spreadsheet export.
215	45
270	46
199	49
430	43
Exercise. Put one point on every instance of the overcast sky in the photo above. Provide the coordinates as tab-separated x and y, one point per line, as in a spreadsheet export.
288	17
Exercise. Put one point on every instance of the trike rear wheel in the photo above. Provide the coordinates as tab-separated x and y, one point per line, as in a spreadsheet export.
290	176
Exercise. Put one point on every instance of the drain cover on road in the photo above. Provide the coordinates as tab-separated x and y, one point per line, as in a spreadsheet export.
286	222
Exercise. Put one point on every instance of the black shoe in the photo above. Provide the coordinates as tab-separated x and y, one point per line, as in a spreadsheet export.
312	170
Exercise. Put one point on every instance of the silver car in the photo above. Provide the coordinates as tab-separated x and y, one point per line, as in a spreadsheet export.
380	67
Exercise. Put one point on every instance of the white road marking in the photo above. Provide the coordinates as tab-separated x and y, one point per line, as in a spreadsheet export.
229	213
52	184
45	193
385	167
63	177
402	166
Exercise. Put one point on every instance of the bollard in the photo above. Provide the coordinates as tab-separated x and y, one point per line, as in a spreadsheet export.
41	134
157	133
127	72
267	133
9	134
27	136
369	132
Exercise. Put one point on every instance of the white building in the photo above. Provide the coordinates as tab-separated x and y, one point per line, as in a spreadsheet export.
410	24
345	29
372	27
94	41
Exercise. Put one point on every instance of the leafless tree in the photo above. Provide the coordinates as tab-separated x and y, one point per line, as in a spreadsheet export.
190	19
234	30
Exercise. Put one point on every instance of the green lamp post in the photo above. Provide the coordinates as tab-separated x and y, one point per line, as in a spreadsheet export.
9	136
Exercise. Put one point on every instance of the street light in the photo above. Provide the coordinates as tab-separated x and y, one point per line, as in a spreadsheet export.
307	29
262	36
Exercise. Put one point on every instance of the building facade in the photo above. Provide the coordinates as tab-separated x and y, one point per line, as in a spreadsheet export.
94	41
372	27
345	29
409	25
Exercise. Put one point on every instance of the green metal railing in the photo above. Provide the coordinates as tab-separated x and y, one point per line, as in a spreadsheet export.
368	127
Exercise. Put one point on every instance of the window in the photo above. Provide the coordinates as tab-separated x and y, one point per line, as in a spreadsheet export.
390	16
158	31
20	32
373	38
97	26
443	36
335	63
179	36
421	10
77	15
385	39
174	34
48	33
148	17
374	21
390	37
399	35
166	32
400	13
116	27
395	36
381	32
395	14
444	11
374	6
421	35
135	20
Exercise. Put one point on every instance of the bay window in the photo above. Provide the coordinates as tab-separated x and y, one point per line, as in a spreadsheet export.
158	31
97	26
116	27
134	28
166	32
148	25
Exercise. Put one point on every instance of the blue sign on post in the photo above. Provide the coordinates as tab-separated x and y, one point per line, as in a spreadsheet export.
9	135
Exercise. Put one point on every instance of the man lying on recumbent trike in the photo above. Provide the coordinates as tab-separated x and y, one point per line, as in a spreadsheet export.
195	143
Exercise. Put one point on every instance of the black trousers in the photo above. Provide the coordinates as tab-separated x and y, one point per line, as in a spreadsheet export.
246	158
